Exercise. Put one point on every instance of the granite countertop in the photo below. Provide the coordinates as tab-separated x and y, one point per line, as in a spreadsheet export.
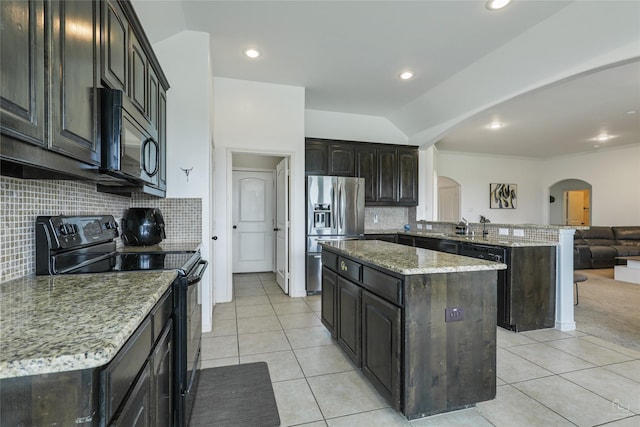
506	241
70	322
408	260
163	247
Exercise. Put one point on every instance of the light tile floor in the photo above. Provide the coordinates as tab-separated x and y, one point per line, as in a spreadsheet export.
545	378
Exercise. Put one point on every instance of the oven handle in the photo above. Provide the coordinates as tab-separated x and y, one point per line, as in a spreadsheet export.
195	278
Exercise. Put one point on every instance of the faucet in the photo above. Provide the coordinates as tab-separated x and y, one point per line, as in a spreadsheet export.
466	226
484	222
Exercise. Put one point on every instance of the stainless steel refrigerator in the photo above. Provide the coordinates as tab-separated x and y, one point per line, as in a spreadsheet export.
335	211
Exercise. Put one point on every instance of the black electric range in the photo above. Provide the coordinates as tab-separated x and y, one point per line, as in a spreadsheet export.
87	244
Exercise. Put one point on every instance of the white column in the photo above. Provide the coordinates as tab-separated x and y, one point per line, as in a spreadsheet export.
564	281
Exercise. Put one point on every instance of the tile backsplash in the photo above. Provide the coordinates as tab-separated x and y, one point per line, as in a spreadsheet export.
388	218
21	201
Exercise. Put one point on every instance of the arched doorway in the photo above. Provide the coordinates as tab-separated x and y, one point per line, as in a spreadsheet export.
570	203
448	199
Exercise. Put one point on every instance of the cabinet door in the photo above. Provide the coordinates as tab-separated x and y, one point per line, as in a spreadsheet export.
74	99
138	74
381	346
366	167
342	159
115	51
426	243
136	411
162	379
316	157
22	93
408	176
329	297
387	175
349	319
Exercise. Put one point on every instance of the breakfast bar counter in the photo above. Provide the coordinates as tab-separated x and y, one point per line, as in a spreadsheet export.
421	324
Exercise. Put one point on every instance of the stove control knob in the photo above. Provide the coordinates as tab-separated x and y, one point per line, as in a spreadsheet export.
64	229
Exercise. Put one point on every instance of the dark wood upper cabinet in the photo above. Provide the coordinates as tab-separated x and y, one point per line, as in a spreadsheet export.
316	157
138	75
408	176
22	93
387	175
342	159
115	46
74	79
367	168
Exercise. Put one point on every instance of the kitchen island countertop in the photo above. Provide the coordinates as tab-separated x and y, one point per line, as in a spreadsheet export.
408	260
69	322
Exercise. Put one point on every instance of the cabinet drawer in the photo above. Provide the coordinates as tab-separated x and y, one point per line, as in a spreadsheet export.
123	370
349	269
161	313
330	260
383	285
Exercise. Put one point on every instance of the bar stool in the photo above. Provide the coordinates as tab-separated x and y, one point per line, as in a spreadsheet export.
578	277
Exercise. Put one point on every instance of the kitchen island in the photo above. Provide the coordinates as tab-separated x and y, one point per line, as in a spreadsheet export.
65	356
420	323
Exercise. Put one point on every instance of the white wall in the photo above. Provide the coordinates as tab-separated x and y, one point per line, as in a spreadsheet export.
258	118
185	61
475	172
614	175
352	127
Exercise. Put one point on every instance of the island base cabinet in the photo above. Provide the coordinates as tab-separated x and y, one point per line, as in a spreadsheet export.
381	351
349	320
136	411
329	295
449	365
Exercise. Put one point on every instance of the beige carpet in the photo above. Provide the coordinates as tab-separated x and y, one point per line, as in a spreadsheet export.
609	309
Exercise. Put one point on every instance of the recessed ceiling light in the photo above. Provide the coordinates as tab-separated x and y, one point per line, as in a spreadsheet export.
603	137
497	4
252	53
495	125
631	112
406	75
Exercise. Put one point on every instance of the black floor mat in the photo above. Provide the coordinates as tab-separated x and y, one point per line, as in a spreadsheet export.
237	395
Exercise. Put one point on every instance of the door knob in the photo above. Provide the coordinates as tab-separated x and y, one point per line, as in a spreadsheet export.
235	226
276	229
214	238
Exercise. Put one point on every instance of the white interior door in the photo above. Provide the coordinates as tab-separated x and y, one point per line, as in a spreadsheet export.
282	224
574	202
253	221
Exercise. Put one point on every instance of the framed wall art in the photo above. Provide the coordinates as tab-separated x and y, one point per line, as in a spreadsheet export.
503	196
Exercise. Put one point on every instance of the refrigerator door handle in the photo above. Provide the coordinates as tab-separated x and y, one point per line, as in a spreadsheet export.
333	206
340	213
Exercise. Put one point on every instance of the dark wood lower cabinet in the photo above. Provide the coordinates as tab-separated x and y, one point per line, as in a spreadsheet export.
137	408
349	321
381	341
329	295
395	328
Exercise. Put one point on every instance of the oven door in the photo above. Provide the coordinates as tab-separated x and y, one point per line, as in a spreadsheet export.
189	342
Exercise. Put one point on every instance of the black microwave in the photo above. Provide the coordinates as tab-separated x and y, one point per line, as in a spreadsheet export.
129	143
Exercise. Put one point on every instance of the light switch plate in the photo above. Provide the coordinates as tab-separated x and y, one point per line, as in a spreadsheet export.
518	232
429	227
503	231
419	226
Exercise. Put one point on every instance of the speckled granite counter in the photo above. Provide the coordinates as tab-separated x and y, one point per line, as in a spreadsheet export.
163	247
408	260
506	241
69	322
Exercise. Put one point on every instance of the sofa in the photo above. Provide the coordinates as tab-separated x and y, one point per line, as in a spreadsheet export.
599	246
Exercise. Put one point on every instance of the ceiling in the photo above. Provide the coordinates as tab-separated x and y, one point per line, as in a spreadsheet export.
348	54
